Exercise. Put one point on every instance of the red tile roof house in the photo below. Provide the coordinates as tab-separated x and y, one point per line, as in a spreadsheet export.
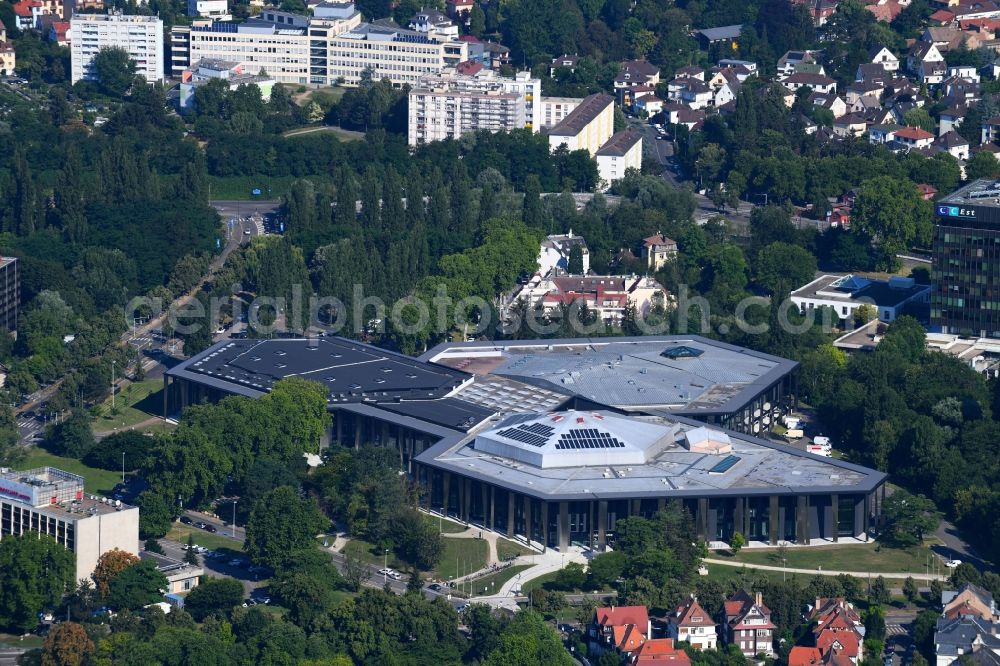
690	623
660	651
838	634
624	628
747	624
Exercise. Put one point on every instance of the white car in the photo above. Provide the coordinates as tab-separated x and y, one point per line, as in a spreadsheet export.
395	575
952	564
384	572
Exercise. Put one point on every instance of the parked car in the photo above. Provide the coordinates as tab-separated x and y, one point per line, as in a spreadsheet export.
210	528
200	525
435	587
952	564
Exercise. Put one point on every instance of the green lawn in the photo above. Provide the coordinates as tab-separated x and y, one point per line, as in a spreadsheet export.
860	558
135	403
509	549
460	557
97	481
17	642
179	532
723	574
369	553
490	584
541	581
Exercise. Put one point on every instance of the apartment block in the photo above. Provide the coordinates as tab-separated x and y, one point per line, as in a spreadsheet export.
451	104
141	36
587	127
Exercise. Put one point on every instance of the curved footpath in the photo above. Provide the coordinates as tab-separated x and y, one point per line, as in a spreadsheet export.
825	572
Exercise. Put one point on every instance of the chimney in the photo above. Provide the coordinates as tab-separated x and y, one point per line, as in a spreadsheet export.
816	607
759	599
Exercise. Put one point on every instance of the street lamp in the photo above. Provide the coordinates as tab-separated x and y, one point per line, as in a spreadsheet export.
113	384
385	568
234	519
123	467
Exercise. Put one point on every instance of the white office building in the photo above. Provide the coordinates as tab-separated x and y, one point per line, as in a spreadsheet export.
449	105
331	47
53	502
141	36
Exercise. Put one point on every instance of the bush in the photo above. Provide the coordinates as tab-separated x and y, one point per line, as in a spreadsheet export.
213	595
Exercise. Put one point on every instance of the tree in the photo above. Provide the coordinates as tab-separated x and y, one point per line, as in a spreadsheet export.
909	517
190	556
865	313
109	566
919	117
736	542
891	213
212	595
983	164
139	585
114	69
879	593
527	640
782	267
67	645
281	524
153	546
477	21
155	515
35	572
574	265
107	453
533	215
73	437
910	590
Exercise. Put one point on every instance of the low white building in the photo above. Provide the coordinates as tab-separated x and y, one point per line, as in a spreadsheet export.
233	73
846	293
50	501
217	10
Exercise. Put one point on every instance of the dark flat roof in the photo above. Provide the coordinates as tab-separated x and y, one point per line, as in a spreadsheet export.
353	371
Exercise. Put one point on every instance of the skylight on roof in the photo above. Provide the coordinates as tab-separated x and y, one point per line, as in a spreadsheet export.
682	351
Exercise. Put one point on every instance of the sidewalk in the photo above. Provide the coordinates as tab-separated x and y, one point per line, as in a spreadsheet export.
826	572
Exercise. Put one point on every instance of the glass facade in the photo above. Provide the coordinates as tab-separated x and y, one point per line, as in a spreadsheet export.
965	296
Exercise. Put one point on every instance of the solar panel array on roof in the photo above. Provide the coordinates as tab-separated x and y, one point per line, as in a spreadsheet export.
534	434
588	438
724	465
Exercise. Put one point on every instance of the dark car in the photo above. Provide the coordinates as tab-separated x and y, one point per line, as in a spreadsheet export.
200	525
210	528
435	587
185	520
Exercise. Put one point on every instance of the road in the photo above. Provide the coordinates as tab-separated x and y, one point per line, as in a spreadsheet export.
955	548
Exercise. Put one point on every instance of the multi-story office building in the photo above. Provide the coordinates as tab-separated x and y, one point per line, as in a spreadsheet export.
141	36
331	47
53	502
448	105
10	293
587	127
965	291
402	56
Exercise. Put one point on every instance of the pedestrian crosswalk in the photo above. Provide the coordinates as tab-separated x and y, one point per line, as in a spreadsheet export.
894	630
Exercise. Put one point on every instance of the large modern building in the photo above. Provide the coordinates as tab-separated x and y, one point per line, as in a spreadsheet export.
555	440
10	293
965	295
141	36
330	47
450	104
53	502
